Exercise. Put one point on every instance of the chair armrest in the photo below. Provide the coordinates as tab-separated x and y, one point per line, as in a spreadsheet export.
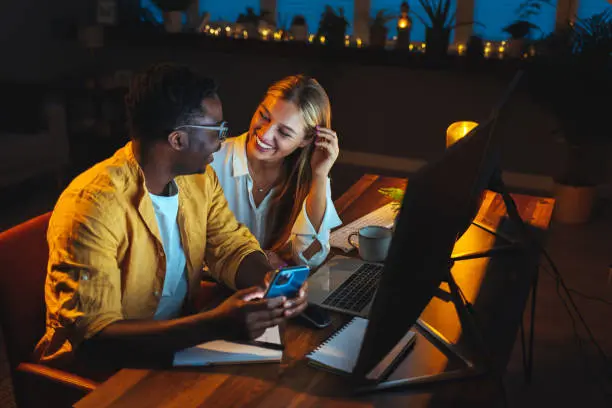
58	376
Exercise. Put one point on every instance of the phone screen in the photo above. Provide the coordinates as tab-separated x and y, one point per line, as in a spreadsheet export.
287	281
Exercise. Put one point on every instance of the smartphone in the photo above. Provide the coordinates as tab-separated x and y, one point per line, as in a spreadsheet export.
287	281
316	316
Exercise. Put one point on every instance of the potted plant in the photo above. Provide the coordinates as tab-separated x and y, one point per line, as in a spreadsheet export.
474	50
173	13
332	27
518	30
248	22
379	30
395	194
439	23
299	28
572	81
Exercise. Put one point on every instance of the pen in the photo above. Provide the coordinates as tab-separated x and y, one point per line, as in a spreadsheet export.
265	344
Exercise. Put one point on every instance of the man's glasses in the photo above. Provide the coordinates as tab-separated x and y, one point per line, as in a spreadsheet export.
222	128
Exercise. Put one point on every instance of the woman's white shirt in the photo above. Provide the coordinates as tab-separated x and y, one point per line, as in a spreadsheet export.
230	164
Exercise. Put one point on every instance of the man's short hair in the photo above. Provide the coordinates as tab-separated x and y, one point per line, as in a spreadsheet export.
163	97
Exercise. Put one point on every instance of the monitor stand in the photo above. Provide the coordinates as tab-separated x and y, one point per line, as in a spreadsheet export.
480	363
473	366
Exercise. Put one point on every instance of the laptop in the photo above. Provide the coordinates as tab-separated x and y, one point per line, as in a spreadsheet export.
345	285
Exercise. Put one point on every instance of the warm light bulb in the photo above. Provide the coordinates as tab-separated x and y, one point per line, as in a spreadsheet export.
461	49
359	42
228	29
322	39
458	130
402	23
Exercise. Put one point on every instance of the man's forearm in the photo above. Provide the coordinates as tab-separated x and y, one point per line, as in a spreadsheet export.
158	336
252	270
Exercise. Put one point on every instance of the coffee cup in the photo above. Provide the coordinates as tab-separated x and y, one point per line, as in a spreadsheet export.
372	242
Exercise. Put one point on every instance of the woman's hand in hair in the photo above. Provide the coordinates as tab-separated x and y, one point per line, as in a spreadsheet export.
325	152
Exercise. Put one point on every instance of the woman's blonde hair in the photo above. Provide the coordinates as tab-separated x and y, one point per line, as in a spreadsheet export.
313	103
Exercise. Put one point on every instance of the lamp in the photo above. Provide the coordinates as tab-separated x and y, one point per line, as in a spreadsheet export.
457	130
404	26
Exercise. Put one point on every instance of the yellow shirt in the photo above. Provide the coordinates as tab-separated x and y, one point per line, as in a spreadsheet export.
106	260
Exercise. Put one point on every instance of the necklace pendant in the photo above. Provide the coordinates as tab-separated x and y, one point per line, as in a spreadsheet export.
260	190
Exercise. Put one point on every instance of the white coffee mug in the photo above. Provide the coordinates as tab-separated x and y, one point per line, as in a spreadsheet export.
373	243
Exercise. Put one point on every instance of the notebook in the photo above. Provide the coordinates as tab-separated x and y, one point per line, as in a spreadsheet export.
339	353
219	352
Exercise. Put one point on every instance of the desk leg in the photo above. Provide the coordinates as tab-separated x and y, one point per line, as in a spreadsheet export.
528	353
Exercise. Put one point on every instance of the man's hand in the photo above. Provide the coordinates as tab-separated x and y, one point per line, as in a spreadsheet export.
293	306
248	314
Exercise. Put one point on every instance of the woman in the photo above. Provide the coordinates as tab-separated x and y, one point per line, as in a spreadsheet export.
276	176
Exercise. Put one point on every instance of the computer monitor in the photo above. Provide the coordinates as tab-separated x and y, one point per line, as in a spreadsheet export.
439	204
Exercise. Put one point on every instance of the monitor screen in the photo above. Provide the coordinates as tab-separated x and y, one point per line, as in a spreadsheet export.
439	204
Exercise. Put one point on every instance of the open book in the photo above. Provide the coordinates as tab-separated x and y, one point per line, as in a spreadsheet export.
340	352
265	349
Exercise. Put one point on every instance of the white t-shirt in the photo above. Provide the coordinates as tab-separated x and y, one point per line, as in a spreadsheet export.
175	281
232	169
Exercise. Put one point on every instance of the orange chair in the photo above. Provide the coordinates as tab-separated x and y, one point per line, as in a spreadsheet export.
23	263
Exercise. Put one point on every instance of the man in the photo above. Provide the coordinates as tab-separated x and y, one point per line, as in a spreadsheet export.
129	237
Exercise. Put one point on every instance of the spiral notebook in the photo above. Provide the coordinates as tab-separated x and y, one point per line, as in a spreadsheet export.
340	351
265	349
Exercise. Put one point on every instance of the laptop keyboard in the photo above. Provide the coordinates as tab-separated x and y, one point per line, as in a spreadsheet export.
358	290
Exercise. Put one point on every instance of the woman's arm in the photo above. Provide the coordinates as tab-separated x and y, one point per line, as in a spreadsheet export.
316	201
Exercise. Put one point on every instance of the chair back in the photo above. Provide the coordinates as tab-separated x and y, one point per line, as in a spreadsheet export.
24	253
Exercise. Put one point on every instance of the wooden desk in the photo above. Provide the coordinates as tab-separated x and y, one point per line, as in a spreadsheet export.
499	289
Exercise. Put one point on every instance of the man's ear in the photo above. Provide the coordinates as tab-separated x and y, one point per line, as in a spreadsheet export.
178	140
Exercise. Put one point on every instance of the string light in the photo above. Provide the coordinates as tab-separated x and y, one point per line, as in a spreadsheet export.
460	49
411	47
322	39
359	42
311	38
